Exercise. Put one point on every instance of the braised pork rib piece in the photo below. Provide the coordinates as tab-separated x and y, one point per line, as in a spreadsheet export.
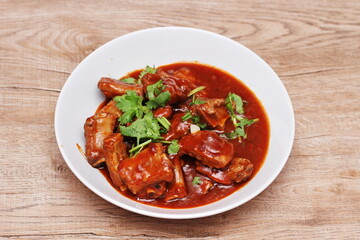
150	166
177	187
240	169
213	111
111	87
115	151
178	88
209	148
215	174
97	128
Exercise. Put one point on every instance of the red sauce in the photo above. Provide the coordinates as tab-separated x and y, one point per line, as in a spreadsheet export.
218	84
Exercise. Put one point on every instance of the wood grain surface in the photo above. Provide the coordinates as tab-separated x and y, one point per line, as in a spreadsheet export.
314	46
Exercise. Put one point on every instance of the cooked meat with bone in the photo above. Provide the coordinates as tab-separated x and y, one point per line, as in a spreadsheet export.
216	175
111	87
149	167
177	188
153	191
115	151
213	111
97	128
205	186
177	87
240	169
208	147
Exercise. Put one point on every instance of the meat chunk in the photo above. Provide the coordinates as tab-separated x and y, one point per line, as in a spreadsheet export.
111	87
115	151
240	169
205	186
97	128
149	167
163	112
208	147
213	111
177	188
178	128
200	184
215	174
153	190
177	87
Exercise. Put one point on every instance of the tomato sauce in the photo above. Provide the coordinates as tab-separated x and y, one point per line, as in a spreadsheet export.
218	84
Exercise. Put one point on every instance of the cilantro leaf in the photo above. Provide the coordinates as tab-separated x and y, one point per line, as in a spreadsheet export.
155	96
196	181
173	147
129	80
131	105
246	122
154	89
240	127
234	104
234	98
196	120
146	127
159	101
147	70
196	101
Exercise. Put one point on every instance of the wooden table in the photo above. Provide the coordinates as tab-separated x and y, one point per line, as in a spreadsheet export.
314	46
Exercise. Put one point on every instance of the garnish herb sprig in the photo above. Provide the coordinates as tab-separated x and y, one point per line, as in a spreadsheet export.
174	147
194	118
198	89
196	181
235	106
145	128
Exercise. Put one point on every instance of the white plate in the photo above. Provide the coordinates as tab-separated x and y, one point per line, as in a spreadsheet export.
80	97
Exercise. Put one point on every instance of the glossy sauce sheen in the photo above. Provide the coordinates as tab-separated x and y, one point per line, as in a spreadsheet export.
218	84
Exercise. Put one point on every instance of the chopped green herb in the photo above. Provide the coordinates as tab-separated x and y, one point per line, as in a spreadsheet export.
234	104
138	148
196	120
196	181
162	141
154	89
131	105
146	127
240	128
173	147
163	131
147	70
236	99
155	96
187	116
129	80
164	122
198	89
159	101
196	101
